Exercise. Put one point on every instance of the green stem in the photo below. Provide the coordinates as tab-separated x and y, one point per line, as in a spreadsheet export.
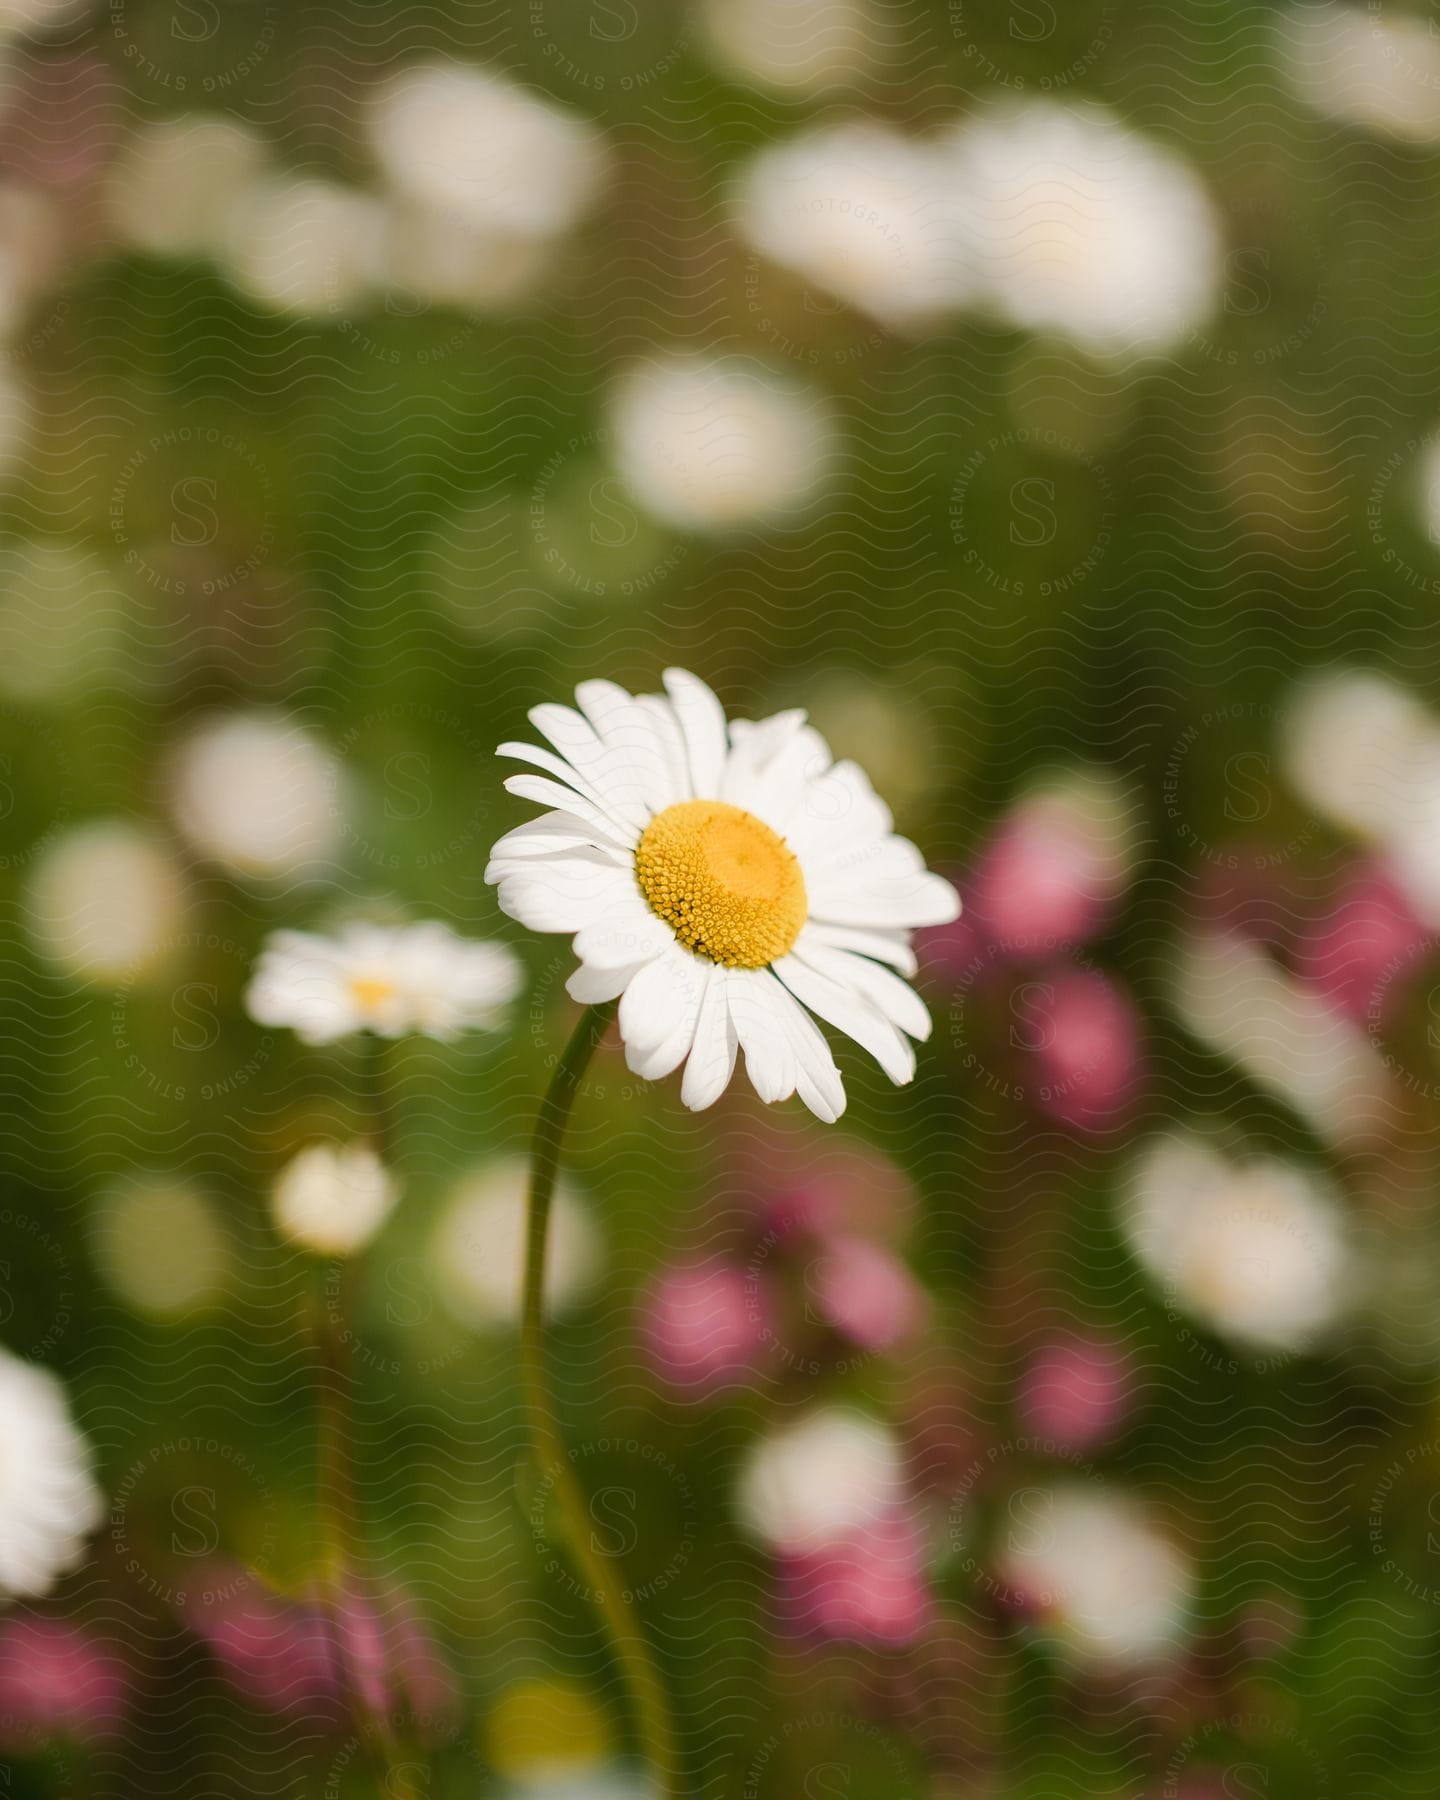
652	1713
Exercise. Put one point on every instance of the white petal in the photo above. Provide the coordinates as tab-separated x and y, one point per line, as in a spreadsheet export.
563	894
817	1080
628	726
563	771
883	946
589	986
712	1056
702	724
629	933
851	1013
754	999
672	744
555	831
563	799
611	771
899	1002
687	977
658	998
881	891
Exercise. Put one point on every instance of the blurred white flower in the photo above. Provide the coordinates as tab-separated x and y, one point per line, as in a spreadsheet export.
104	900
796	46
436	257
1259	1250
1364	752
1101	1579
473	146
389	979
333	1198
1087	228
258	793
710	442
49	1503
1350	741
1282	1033
820	1479
305	245
477	1251
159	1246
175	186
1379	68
865	214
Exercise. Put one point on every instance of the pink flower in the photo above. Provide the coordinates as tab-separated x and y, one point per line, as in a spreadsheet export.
276	1652
1082	1033
1051	873
56	1678
867	1588
1076	1392
1364	951
706	1325
866	1293
388	1659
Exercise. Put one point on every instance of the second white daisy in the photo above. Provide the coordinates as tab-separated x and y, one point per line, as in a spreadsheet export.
389	979
726	883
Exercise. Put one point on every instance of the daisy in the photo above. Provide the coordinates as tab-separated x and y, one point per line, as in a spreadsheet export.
49	1502
333	1199
819	1480
389	979
1097	1575
725	883
1258	1250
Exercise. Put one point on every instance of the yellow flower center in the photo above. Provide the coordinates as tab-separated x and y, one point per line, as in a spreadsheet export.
726	885
370	992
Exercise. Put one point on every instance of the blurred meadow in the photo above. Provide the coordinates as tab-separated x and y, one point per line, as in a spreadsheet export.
1045	399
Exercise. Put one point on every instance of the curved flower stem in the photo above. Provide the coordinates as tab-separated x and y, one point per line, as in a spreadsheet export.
652	1713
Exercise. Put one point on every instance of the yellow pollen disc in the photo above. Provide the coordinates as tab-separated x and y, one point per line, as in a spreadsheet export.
726	885
369	992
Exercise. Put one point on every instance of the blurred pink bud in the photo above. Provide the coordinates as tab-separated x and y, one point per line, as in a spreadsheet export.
706	1325
389	1661
868	1588
1082	1032
866	1293
1363	951
56	1678
812	1183
1076	1392
1045	882
277	1652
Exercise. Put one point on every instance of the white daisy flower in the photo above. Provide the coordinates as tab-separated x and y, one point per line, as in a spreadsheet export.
333	1199
725	883
389	979
716	443
1259	1250
1100	1577
49	1502
1086	227
863	213
819	1480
